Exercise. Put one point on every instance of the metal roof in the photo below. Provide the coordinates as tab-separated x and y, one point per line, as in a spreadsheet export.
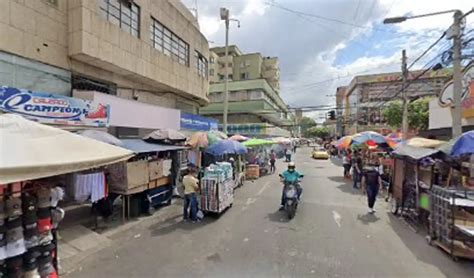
140	146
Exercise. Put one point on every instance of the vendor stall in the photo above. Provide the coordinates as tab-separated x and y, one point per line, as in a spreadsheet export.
32	155
217	188
260	157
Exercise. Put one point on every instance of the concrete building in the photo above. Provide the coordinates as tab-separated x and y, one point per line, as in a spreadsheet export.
366	95
340	95
144	51
255	106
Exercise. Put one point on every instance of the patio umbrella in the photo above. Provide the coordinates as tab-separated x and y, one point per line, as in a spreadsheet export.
101	136
344	142
165	136
198	140
363	137
226	147
218	134
212	138
238	137
464	144
257	142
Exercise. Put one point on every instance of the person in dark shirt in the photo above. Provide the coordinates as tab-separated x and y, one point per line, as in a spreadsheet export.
373	182
356	169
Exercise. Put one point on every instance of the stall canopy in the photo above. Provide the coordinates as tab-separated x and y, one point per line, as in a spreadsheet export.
29	150
101	136
257	142
140	146
403	149
226	147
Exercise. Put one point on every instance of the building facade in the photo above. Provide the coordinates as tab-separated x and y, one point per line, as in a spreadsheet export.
145	51
366	96
254	100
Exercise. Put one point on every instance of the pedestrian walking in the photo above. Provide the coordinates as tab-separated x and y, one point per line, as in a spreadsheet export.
373	182
346	163
356	169
190	183
272	161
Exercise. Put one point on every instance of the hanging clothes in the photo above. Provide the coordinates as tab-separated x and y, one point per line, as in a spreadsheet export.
89	185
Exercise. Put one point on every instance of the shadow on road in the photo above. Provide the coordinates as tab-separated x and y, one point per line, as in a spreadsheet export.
368	218
176	223
278	216
419	247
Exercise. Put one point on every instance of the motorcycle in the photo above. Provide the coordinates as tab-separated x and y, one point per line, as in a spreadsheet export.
290	193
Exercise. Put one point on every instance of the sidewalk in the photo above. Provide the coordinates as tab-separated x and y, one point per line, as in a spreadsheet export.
78	242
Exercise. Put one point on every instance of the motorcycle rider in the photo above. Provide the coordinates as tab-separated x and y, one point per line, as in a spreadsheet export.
289	176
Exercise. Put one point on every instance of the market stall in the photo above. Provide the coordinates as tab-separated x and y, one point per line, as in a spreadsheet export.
259	161
452	201
218	181
33	156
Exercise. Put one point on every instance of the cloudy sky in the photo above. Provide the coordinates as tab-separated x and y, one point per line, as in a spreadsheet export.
322	44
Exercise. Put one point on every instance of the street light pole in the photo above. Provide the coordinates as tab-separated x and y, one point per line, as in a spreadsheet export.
457	75
225	16
405	96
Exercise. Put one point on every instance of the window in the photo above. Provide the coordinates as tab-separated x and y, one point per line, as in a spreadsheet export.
229	65
247	63
244	75
211	72
123	13
167	42
211	60
221	77
230	77
242	64
201	64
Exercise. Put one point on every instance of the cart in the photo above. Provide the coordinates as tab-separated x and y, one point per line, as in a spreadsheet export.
452	221
216	195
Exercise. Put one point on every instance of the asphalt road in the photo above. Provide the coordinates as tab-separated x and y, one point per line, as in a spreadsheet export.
331	236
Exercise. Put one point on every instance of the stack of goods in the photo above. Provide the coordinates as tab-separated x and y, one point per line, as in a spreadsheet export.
217	188
28	217
252	171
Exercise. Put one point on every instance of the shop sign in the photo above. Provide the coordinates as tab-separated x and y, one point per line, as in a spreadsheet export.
467	96
247	129
196	122
53	109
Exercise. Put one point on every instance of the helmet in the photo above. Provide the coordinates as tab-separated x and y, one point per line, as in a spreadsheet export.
291	166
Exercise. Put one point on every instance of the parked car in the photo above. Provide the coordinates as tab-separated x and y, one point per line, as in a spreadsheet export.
320	153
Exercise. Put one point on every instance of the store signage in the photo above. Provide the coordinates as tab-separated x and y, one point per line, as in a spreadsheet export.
247	129
53	109
467	96
196	122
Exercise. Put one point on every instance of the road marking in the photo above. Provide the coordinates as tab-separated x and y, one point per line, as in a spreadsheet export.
263	188
337	218
250	201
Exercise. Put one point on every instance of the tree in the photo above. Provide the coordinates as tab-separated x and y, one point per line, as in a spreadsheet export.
320	132
305	124
418	114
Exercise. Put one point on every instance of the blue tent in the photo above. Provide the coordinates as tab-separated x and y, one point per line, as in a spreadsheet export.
464	144
226	147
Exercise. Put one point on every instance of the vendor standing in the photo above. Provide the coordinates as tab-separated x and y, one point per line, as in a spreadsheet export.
373	182
190	183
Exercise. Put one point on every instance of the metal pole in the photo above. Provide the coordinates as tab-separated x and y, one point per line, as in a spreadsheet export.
226	81
404	95
457	75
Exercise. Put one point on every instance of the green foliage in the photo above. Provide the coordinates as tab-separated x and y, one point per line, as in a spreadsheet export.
418	114
306	123
320	132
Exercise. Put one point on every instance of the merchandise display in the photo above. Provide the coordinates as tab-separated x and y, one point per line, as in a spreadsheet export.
29	216
217	188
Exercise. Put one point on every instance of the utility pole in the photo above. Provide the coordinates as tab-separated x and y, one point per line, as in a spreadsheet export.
404	95
457	75
225	17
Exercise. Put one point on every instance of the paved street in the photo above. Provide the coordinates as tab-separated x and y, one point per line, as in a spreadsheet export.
331	236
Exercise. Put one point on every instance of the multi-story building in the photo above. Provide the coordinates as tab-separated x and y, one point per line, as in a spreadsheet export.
125	52
366	96
255	106
340	95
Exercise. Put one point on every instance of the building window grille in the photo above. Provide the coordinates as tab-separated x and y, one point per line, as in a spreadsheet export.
123	13
169	43
201	64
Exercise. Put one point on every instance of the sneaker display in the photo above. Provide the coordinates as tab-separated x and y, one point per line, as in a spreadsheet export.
100	112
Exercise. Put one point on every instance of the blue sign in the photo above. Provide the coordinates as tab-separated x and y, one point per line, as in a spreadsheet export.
53	109
196	122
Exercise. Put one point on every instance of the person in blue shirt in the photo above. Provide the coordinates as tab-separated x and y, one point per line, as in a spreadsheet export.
289	176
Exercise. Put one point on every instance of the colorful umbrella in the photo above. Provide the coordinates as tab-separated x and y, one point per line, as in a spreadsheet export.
198	140
165	135
218	134
344	142
212	138
257	142
239	138
464	144
226	147
362	137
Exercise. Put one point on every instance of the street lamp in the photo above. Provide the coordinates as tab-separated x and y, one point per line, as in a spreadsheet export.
455	35
224	13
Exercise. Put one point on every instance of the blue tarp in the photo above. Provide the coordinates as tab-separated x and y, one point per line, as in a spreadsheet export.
140	146
464	144
226	147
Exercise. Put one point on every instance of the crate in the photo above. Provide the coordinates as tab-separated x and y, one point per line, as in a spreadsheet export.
252	171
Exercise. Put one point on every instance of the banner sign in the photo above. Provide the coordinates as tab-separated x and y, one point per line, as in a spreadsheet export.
196	122
445	98
53	109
